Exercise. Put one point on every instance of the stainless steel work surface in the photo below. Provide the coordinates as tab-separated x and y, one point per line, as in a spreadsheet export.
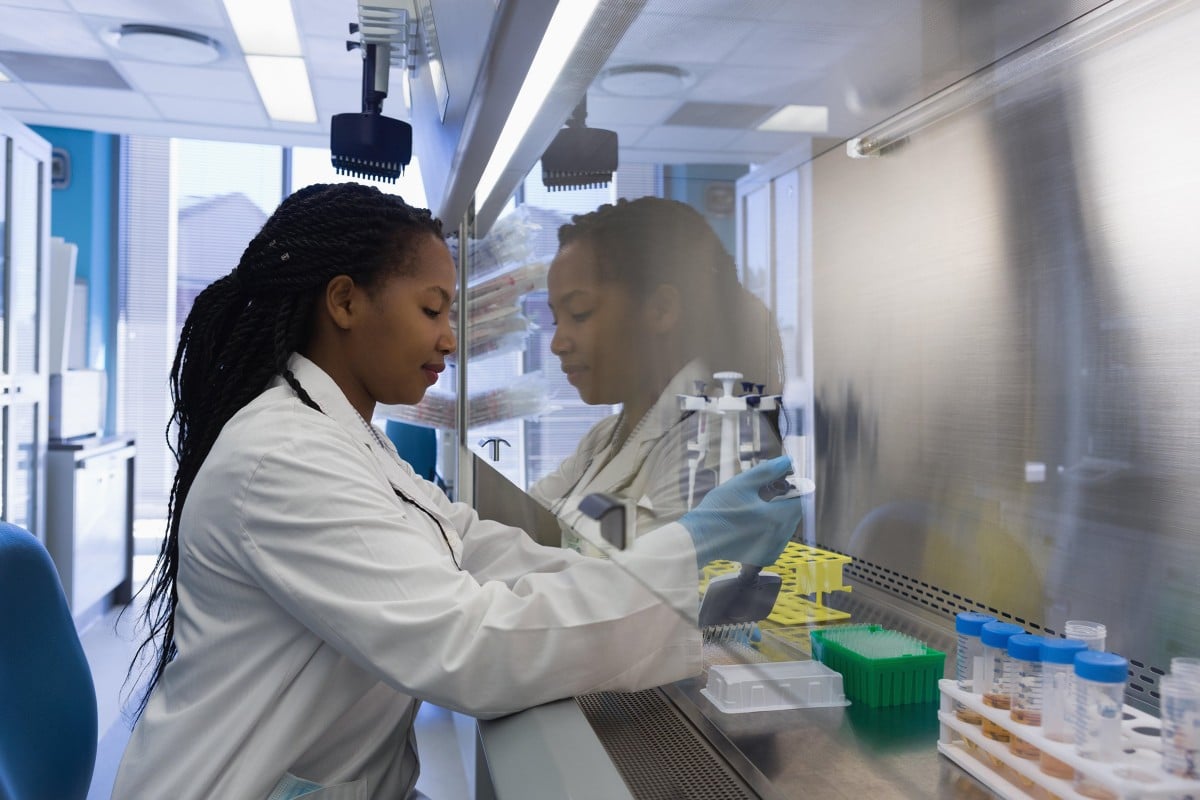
850	752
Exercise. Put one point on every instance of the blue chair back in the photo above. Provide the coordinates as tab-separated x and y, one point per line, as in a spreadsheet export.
416	444
47	698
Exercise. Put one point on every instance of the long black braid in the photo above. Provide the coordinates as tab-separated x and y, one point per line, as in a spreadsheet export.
243	328
650	241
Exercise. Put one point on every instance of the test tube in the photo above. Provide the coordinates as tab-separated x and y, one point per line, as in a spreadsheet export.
1179	698
994	680
1091	633
968	661
1025	689
1099	691
1058	699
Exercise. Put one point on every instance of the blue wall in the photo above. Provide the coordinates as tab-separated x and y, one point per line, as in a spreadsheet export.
84	213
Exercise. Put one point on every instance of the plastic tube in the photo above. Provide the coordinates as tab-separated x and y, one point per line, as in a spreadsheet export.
1058	699
968	660
1099	705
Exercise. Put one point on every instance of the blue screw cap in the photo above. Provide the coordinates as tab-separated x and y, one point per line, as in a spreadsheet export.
1061	651
997	634
969	622
1101	667
1026	646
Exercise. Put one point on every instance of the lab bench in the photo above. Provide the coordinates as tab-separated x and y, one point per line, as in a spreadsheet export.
671	743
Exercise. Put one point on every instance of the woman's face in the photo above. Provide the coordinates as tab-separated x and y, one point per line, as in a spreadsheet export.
598	331
406	334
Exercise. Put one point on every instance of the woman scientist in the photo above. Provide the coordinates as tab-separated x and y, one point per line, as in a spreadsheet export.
311	591
647	304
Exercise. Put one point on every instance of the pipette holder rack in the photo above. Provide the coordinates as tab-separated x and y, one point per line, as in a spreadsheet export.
1136	773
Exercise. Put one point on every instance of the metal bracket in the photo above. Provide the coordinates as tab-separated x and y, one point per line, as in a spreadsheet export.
495	442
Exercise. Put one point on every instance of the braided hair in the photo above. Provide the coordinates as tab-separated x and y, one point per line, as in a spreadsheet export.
644	243
243	328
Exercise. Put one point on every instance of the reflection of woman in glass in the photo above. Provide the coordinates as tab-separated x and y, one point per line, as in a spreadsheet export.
647	303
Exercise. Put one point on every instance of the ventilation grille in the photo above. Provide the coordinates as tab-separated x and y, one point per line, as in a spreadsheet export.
1141	691
719	115
659	754
62	70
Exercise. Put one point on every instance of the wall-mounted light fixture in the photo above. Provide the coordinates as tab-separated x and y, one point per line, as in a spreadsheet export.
1114	19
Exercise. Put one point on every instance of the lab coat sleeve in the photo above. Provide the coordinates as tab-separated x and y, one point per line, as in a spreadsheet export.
372	577
556	485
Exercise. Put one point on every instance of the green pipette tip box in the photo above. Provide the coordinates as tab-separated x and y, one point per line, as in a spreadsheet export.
881	680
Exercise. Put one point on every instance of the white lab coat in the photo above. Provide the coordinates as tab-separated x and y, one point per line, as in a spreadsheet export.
316	609
649	470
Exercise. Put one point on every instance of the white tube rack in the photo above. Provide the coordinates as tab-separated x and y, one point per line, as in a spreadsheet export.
1136	775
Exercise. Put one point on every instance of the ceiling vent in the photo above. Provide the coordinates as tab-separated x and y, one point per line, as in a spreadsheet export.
720	115
61	70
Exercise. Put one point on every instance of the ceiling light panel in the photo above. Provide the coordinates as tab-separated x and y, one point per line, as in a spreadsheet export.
797	119
282	83
264	27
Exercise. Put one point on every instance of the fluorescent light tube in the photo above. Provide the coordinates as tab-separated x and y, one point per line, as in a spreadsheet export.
562	34
798	119
282	83
264	27
3	77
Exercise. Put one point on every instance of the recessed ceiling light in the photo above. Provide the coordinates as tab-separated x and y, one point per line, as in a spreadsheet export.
798	119
645	80
165	45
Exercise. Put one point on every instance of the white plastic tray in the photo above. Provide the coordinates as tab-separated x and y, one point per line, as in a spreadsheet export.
1136	775
773	686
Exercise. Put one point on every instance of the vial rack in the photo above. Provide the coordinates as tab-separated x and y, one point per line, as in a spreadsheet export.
1136	775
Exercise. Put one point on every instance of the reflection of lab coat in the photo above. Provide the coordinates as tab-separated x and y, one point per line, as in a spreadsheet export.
650	470
316	608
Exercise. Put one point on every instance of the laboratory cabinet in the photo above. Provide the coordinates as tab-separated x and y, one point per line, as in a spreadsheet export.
89	520
24	378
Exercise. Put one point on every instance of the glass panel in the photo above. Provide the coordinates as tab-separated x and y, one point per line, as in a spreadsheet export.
4	145
25	266
22	448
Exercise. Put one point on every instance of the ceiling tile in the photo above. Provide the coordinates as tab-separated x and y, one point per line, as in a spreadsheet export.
168	79
325	17
688	138
789	47
753	84
213	112
664	38
47	5
328	58
345	96
36	31
608	110
179	13
102	102
14	95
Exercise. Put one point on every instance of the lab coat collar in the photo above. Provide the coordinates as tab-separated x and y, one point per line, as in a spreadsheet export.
332	400
666	411
334	403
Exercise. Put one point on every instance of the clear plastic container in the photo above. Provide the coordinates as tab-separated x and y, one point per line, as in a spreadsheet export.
1180	705
1058	699
1093	634
994	678
1025	689
773	686
968	660
1099	693
1185	667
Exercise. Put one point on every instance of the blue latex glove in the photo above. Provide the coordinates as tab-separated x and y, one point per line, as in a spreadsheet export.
734	522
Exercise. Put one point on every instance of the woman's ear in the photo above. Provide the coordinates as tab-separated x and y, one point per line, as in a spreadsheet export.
340	301
664	309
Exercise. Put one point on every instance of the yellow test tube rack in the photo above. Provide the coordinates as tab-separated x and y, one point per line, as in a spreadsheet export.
807	574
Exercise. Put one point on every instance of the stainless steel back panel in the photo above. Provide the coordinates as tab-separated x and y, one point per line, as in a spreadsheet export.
1007	346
